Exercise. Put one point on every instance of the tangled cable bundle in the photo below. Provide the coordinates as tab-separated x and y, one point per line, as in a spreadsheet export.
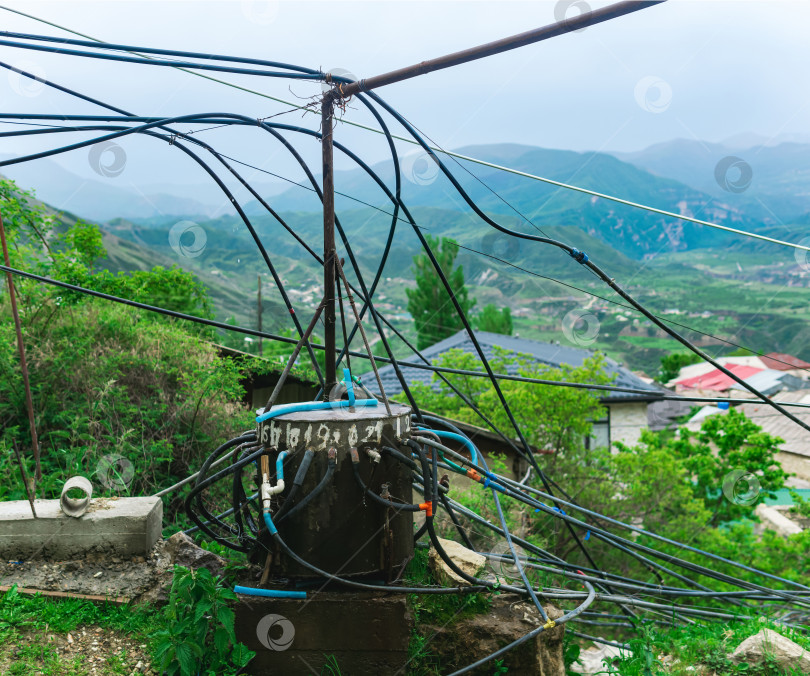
681	587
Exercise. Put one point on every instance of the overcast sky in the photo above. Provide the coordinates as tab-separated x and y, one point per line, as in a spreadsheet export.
706	70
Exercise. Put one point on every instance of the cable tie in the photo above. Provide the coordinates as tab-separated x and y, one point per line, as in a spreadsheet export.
587	536
578	256
550	624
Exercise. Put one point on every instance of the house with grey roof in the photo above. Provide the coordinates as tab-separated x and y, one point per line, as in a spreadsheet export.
627	412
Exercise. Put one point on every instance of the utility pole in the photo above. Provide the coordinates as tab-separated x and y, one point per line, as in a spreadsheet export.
259	312
498	46
344	90
329	253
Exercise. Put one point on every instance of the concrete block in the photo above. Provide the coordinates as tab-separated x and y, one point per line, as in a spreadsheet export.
366	632
115	526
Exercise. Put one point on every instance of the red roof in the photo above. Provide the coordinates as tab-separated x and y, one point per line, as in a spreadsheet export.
717	380
783	362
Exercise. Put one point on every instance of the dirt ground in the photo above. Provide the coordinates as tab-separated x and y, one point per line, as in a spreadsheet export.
87	651
130	578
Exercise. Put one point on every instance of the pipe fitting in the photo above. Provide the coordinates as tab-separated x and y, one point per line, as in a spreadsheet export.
75	507
374	455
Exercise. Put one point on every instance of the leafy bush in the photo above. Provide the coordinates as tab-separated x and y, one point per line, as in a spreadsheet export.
198	634
112	385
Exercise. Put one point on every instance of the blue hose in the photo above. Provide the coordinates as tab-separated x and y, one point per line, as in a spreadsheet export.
268	521
270	593
320	405
464	440
313	406
280	466
347	379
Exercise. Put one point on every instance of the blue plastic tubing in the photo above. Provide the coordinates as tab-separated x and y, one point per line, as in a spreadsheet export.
313	406
452	435
270	593
280	466
347	379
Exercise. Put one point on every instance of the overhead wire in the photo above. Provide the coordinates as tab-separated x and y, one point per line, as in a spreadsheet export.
428	477
459	156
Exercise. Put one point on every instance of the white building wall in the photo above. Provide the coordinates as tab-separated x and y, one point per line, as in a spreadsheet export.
626	422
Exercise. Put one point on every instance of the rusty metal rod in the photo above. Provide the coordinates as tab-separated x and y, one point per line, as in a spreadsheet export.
29	488
365	339
259	312
503	45
304	338
29	402
329	252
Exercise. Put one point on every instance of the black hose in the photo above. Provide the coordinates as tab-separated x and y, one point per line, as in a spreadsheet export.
300	475
398	506
324	482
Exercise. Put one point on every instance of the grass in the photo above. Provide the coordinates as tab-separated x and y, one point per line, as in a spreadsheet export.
434	609
700	650
30	629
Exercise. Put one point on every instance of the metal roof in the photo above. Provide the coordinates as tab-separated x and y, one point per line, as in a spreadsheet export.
771	381
783	362
550	354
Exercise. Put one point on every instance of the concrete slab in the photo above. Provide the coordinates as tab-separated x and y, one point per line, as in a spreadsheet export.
114	526
365	632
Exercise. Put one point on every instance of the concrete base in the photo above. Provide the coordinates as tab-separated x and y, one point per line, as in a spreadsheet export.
365	633
117	526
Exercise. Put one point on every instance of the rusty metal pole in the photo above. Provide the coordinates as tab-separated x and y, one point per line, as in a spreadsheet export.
259	311
29	402
329	252
29	485
498	46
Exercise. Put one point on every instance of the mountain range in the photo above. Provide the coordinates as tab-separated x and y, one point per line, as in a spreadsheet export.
679	176
674	266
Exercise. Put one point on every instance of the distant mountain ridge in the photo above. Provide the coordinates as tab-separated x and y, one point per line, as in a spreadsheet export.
104	199
677	176
775	189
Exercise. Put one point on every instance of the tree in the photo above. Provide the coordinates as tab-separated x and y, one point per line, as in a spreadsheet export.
494	320
557	419
50	244
430	306
107	380
672	364
731	463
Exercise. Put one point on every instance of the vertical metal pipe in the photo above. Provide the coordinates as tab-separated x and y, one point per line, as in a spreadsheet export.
29	486
259	311
327	115
29	402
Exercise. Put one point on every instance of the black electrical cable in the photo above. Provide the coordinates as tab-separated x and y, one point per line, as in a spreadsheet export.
300	475
429	475
239	498
210	518
315	492
398	506
247	438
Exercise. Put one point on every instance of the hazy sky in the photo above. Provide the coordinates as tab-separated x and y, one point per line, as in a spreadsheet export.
706	70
